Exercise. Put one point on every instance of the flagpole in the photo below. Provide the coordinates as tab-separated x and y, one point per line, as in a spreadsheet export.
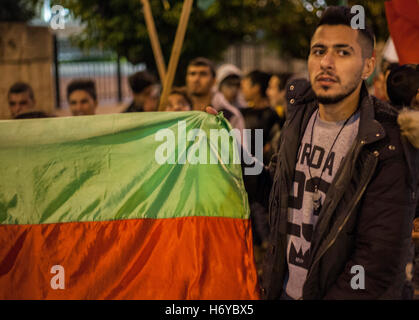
154	39
177	47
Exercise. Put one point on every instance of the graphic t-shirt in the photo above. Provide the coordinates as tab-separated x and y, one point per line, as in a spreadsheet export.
302	217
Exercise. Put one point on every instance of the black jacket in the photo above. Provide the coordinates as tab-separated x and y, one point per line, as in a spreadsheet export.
366	217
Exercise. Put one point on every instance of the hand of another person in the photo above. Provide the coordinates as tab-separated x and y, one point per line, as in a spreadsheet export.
211	110
415	233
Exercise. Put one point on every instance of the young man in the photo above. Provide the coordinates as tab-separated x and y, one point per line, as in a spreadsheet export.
343	188
82	98
145	92
254	86
22	104
259	114
200	80
276	93
178	100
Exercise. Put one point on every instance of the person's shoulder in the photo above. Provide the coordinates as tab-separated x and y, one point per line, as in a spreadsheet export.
299	92
393	145
385	113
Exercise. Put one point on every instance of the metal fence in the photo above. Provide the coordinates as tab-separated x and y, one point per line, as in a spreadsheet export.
109	73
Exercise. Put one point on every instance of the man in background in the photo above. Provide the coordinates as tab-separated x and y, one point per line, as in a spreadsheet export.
200	80
276	93
82	98
145	92
22	104
259	114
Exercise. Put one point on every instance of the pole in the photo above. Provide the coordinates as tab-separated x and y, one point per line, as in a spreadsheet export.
118	77
177	47
155	44
56	74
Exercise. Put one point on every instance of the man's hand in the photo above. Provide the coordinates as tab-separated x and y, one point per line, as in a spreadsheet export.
415	234
409	125
211	110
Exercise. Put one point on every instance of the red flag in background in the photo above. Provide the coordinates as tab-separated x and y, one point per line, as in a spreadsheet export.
403	23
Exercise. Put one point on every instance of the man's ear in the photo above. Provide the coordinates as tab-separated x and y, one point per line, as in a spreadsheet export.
369	67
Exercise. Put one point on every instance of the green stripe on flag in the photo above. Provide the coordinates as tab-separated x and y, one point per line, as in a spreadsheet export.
104	167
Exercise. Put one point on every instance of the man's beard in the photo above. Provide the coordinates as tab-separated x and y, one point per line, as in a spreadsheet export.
199	94
326	100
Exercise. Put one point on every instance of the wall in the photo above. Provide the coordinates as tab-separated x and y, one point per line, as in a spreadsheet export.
26	54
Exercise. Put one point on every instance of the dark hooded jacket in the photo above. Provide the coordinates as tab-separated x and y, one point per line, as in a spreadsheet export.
366	218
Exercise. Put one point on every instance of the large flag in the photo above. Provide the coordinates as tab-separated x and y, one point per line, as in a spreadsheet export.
123	206
403	23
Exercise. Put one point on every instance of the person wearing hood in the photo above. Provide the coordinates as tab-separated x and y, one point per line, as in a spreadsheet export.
228	83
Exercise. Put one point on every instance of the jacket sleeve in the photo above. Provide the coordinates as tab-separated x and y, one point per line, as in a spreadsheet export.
382	236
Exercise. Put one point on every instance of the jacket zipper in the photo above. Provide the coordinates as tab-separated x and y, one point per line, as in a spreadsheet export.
346	219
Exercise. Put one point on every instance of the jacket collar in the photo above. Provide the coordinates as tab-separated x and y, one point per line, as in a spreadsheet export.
370	130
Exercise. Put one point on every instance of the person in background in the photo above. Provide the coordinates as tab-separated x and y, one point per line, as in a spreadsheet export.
22	103
403	86
178	100
403	92
259	114
81	97
380	81
276	94
145	90
228	83
200	81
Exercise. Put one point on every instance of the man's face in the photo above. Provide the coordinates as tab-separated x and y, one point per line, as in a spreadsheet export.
177	102
199	80
335	64
276	96
230	90
249	90
147	99
82	103
20	103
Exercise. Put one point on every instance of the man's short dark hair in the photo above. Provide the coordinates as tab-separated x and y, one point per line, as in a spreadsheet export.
340	15
201	61
141	80
82	84
20	87
261	78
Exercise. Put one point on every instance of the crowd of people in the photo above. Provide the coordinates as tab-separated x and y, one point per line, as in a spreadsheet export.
261	100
